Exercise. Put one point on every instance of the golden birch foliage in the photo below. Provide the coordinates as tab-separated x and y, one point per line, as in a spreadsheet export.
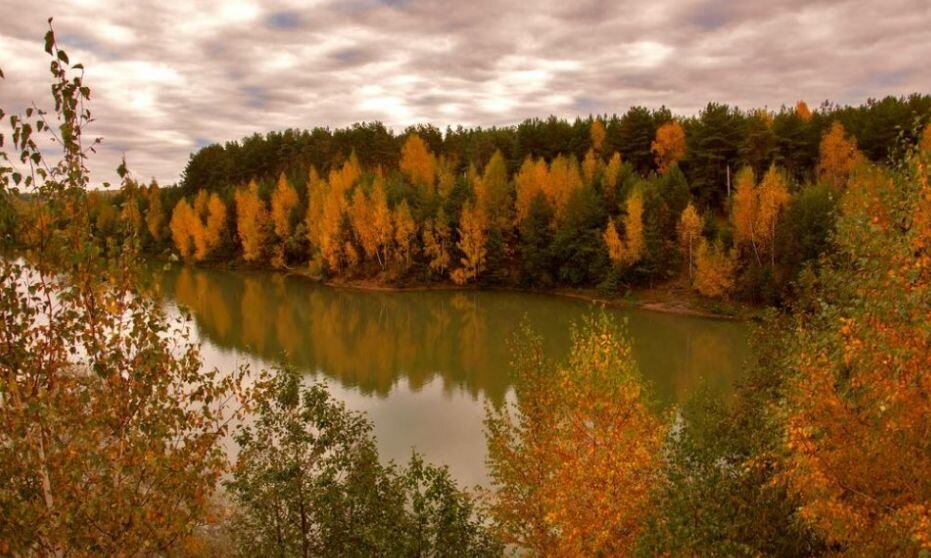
590	166
859	405
628	250
563	180
772	197
418	164
436	243
609	177
714	269
838	154
155	215
574	459
360	216
405	231
284	201
688	231
598	134
530	179
382	222
200	203
181	226
252	222
802	110
333	209
131	215
614	243
744	208
669	146
493	192
473	225
445	177
216	224
316	198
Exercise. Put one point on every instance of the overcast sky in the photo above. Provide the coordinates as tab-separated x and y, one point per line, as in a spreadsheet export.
168	79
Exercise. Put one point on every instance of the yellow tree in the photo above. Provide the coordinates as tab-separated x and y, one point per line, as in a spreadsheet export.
773	197
574	458
597	134
838	154
669	145
530	179
405	232
689	232
493	192
382	222
626	251
562	182
215	226
609	178
418	164
744	210
360	216
155	215
714	269
802	110
590	166
251	222
284	202
182	228
473	225
859	398
436	243
925	142
131	215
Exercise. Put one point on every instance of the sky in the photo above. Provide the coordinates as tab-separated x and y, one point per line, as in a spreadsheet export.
170	77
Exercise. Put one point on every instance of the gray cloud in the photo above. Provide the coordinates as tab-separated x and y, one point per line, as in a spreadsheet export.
168	78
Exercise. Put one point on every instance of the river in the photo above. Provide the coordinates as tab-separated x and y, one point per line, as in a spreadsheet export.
423	364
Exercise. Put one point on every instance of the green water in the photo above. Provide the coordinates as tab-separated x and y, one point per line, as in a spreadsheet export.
424	364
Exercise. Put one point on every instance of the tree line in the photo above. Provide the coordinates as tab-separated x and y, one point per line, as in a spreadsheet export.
608	219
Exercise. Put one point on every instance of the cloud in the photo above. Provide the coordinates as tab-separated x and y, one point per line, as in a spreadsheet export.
168	78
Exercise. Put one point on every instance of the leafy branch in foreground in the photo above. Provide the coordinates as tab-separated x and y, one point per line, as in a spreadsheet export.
308	482
110	430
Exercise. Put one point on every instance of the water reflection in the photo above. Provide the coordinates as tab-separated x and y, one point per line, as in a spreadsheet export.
370	340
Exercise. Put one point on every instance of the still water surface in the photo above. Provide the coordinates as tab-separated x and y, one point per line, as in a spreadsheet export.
423	364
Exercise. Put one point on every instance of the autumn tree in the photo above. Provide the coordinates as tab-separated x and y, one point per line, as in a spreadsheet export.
110	429
744	210
669	145
563	181
574	458
714	269
405	232
473	225
803	112
493	192
609	178
838	154
436	238
251	222
859	402
155	214
688	231
530	180
418	164
591	165
213	229
284	201
629	249
182	225
598	134
773	196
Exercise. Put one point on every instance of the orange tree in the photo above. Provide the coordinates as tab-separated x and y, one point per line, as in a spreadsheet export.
109	430
859	409
573	460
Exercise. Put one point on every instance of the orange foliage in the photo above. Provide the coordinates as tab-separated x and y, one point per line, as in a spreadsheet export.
405	232
838	155
564	180
802	110
155	216
436	243
251	222
669	145
590	166
609	177
574	460
629	250
182	226
860	405
473	225
284	202
493	192
714	269
418	164
689	232
598	134
530	180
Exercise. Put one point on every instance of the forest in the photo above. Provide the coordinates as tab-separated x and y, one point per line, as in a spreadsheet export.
732	204
113	433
